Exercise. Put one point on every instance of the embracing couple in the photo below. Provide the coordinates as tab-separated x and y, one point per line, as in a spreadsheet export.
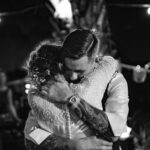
78	99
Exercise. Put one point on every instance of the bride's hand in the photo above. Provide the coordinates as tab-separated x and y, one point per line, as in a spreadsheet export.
59	91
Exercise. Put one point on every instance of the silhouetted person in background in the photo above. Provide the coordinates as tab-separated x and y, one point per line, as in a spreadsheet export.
8	113
7	107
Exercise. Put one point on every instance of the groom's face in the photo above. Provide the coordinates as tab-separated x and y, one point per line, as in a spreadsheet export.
76	69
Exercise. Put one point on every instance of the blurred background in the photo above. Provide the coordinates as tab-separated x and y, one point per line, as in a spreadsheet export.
123	26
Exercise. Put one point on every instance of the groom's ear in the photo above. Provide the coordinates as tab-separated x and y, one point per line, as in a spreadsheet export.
60	66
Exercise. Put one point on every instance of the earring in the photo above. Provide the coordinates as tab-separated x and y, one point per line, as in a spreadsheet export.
98	58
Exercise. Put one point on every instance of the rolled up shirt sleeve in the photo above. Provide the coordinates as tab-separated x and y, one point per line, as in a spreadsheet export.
116	106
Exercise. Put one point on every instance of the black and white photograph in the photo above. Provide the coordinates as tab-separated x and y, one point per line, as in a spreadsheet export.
75	74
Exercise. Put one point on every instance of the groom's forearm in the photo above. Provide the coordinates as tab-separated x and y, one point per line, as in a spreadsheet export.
94	118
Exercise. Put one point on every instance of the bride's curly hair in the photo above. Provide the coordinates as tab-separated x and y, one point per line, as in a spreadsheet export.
42	63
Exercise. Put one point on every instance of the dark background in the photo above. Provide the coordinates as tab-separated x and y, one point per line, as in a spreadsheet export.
130	29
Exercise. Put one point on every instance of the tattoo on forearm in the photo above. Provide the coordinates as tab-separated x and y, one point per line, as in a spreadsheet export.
94	118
